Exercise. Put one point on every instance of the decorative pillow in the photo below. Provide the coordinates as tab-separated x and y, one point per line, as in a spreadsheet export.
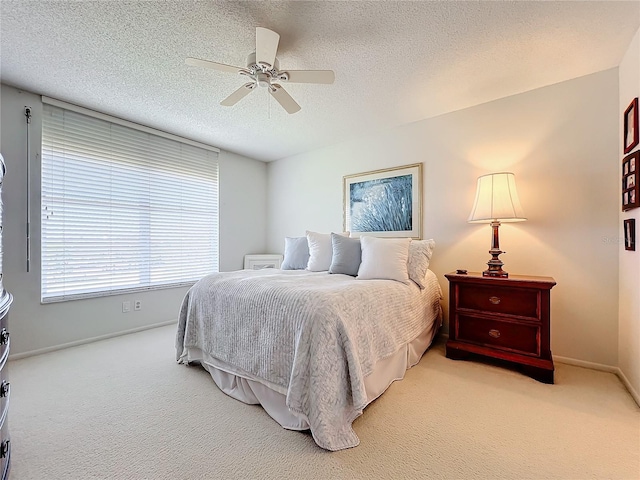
419	257
320	251
296	253
384	258
346	255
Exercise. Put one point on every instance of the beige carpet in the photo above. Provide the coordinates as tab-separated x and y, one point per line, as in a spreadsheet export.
123	409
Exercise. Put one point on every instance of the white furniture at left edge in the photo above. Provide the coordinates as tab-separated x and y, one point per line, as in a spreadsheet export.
258	262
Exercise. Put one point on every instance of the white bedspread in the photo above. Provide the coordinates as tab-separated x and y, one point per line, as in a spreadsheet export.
311	336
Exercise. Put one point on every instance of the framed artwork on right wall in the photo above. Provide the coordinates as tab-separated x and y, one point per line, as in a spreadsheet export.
631	136
630	234
630	181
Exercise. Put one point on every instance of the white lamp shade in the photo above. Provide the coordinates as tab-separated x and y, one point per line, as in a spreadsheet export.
496	199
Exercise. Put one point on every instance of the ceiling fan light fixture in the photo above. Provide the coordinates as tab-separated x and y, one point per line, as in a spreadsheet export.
263	79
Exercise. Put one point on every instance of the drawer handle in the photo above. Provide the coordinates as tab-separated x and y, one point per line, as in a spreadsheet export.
494	333
4	448
494	300
4	337
4	389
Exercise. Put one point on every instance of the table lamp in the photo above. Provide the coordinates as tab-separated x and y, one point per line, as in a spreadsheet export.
496	201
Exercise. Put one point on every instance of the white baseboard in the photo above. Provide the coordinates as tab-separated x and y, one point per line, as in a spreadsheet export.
627	384
583	363
31	353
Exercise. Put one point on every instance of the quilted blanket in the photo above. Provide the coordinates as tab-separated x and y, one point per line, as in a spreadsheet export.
313	337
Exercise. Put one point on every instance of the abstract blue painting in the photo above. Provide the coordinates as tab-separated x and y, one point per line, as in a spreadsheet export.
384	202
382	205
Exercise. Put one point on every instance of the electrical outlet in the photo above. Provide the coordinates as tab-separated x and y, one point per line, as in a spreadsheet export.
126	307
137	305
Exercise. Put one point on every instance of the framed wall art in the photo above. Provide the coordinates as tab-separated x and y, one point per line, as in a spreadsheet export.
630	234
630	180
384	203
631	133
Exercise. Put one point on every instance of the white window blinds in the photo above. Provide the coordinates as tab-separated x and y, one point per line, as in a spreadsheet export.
123	209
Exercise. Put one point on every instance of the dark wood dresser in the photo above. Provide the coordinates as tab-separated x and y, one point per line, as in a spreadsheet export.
503	318
5	303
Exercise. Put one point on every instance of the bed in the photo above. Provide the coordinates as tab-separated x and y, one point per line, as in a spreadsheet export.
313	348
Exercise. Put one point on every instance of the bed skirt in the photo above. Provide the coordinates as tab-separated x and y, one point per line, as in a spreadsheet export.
255	391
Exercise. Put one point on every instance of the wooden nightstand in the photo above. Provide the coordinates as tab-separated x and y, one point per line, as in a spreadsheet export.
504	318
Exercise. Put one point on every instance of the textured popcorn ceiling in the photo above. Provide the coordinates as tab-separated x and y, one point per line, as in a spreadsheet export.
395	62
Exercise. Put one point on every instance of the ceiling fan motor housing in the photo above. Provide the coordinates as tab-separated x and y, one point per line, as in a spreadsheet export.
262	73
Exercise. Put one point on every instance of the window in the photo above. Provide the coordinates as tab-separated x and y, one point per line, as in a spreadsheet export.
123	209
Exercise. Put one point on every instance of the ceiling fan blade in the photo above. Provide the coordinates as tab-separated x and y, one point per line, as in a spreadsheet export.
283	98
266	45
311	76
196	62
238	95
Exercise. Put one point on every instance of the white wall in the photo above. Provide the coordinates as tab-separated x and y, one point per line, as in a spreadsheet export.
243	209
33	326
560	141
629	321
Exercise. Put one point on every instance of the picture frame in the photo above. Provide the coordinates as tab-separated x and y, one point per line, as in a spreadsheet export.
630	181
631	136
630	234
260	262
384	203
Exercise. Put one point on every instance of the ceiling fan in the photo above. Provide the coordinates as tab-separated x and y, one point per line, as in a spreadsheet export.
263	69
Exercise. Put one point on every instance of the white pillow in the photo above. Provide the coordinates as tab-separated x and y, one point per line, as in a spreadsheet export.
420	252
384	258
320	251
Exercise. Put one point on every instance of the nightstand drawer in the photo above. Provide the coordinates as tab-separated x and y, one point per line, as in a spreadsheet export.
510	336
510	301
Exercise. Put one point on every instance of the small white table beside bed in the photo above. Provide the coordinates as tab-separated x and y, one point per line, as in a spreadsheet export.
313	348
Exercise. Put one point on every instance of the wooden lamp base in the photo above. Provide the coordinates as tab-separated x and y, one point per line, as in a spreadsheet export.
495	264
